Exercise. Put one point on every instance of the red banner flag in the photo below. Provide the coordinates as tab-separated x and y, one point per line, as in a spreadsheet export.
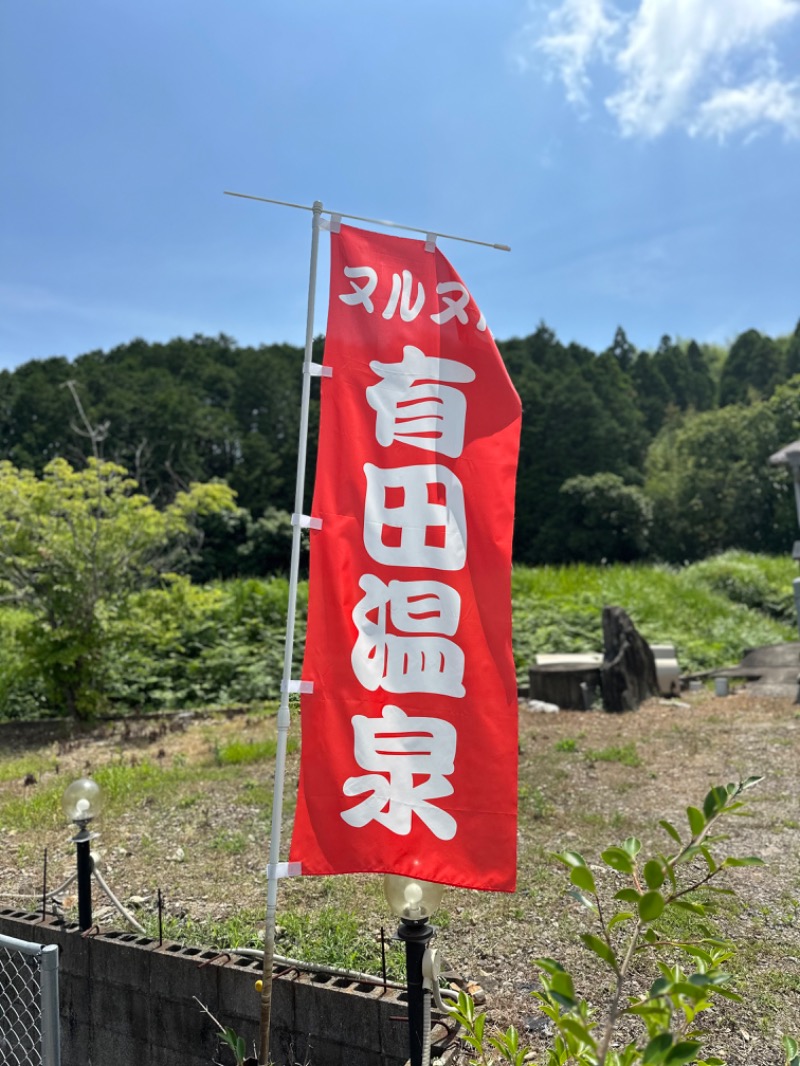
409	737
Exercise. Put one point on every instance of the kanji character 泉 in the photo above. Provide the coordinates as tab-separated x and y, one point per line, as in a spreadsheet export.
393	749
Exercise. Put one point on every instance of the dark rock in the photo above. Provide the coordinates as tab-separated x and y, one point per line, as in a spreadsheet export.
628	674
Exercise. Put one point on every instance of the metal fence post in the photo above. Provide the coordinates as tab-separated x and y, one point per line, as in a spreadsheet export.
29	1013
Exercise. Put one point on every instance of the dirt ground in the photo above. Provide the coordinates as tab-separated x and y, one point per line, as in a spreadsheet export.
587	780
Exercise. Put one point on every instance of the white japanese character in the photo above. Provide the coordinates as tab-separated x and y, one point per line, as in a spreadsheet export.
415	516
455	308
393	748
420	663
428	415
361	293
401	293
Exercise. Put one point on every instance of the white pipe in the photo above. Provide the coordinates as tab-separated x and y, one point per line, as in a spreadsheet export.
122	910
372	221
284	717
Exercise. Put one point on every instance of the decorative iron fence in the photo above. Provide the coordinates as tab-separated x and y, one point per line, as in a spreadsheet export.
29	1027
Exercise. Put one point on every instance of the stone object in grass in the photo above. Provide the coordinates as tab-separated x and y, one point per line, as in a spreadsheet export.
628	672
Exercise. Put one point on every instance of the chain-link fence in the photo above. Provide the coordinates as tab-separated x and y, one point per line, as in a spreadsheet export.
29	1032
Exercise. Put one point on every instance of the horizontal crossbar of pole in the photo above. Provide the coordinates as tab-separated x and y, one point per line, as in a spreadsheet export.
373	221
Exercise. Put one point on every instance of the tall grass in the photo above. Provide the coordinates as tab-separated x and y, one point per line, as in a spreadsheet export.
711	611
184	645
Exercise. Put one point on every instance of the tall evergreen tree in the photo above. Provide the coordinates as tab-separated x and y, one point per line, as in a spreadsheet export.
754	368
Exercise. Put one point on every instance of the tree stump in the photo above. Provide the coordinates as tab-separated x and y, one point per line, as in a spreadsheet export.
628	674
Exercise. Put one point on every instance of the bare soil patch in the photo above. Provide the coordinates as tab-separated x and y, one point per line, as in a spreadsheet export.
198	829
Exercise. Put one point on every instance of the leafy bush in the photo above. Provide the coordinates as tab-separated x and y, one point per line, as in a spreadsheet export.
664	1026
758	581
184	645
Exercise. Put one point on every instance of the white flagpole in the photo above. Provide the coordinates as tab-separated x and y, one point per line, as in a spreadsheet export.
373	221
284	717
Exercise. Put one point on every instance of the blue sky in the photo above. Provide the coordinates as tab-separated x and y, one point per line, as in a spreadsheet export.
640	158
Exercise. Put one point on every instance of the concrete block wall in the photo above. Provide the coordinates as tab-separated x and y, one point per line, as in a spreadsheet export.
128	1001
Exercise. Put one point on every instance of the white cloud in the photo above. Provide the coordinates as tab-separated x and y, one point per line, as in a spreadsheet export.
577	31
731	110
709	67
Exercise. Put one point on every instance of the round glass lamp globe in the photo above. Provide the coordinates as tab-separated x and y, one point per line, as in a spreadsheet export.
82	800
411	898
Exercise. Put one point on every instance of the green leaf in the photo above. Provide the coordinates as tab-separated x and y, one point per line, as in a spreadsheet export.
689	905
697	822
583	899
711	862
660	987
570	858
683	1052
581	877
654	874
651	905
697	953
601	949
578	1030
714	801
751	781
627	895
670	828
621	916
745	860
633	846
618	860
655	1051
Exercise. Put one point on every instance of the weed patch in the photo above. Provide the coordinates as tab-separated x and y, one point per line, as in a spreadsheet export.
625	754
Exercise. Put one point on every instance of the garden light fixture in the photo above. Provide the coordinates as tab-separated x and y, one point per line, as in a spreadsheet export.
82	802
414	901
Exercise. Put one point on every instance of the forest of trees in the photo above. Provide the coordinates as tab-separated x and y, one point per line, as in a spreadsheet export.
625	454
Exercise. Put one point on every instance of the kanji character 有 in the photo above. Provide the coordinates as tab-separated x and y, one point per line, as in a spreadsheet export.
414	407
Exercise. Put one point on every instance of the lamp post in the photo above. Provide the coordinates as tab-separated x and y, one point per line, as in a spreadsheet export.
414	901
82	802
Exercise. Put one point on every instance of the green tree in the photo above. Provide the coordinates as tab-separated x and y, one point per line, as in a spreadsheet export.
605	519
701	387
652	391
711	485
793	353
753	370
622	350
73	545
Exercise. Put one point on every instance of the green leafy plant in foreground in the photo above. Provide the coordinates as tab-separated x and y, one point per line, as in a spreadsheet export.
629	930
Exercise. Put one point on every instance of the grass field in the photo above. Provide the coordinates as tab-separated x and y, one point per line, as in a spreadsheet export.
188	809
189	799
